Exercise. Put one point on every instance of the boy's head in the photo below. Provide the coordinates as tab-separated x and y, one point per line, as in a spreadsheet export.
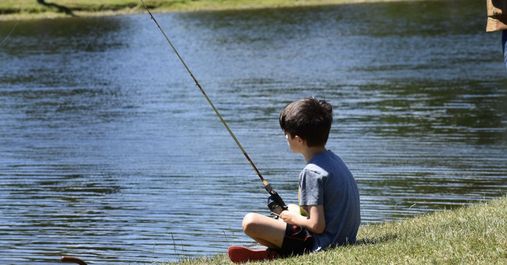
309	118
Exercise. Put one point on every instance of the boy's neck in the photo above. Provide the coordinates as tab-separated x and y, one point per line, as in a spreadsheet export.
310	152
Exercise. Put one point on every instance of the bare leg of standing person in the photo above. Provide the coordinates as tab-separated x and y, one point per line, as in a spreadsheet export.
504	42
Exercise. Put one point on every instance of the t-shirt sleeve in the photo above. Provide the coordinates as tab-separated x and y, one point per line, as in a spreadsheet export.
311	186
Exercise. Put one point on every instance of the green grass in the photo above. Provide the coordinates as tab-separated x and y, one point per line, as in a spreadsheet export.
32	7
23	9
470	235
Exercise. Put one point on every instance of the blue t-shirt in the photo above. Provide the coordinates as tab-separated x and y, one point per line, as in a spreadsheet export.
327	181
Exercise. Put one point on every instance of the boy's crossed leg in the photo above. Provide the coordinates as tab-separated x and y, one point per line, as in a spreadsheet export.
265	230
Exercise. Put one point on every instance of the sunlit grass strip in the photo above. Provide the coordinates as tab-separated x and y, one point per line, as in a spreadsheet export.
31	9
471	235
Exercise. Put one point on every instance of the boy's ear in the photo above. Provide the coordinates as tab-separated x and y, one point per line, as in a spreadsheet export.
299	139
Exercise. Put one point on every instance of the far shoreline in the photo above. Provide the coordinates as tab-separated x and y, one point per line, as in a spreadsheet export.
184	8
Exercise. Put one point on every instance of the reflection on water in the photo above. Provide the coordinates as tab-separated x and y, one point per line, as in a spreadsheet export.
110	153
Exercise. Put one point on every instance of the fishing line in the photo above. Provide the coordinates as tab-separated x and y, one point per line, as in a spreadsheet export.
266	184
10	32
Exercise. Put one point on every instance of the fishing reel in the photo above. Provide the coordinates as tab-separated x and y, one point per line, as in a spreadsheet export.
276	205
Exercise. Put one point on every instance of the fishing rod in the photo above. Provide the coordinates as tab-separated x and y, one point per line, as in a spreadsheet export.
275	202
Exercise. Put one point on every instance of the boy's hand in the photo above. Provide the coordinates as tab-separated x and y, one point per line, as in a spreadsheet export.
315	222
289	217
292	215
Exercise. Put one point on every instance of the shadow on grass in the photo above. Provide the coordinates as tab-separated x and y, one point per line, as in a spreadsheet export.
376	240
60	8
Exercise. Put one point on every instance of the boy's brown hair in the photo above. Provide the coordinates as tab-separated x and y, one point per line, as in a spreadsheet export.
309	119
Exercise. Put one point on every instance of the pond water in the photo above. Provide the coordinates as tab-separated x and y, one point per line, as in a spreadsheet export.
109	152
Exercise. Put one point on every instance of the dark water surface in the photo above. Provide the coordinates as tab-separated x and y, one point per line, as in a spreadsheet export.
109	152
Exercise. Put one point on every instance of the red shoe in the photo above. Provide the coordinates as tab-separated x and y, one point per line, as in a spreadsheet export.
239	254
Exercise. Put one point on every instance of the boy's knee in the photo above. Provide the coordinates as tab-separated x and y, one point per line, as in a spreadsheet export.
249	222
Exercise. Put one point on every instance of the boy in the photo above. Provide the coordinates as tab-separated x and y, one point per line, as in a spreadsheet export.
327	193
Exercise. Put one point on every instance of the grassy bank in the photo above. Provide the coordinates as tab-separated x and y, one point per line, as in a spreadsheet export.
26	9
471	235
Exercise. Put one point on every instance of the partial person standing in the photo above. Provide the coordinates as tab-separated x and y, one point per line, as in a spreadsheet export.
497	21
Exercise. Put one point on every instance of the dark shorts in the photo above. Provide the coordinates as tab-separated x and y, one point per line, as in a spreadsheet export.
297	241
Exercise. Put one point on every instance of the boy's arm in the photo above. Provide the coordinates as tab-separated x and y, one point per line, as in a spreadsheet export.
315	222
